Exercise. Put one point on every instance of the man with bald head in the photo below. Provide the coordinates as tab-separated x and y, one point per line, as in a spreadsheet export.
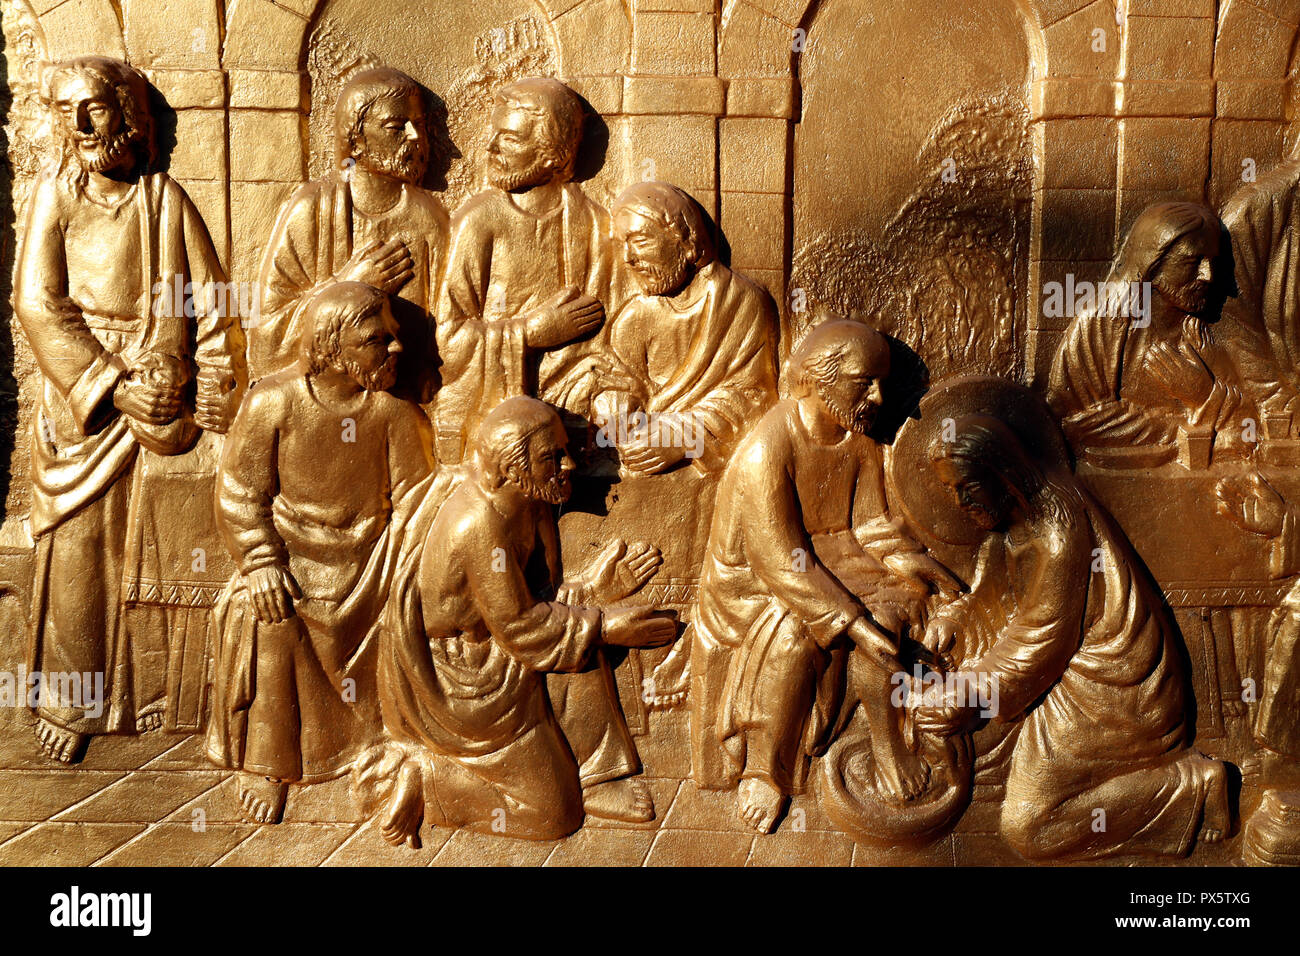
803	565
368	221
528	269
472	636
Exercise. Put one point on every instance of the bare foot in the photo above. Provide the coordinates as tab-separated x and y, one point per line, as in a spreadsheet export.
261	798
759	803
901	775
149	719
58	743
400	821
1216	818
672	678
627	799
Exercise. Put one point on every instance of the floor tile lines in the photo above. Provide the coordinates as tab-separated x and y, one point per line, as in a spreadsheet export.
151	826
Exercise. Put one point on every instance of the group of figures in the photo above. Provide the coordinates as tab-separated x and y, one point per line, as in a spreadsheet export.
389	435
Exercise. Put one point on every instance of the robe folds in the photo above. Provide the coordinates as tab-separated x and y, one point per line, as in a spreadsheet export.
1095	673
503	263
477	670
90	317
707	355
768	650
316	232
296	700
1263	314
1101	391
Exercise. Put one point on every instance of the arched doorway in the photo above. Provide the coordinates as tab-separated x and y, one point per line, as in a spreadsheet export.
913	176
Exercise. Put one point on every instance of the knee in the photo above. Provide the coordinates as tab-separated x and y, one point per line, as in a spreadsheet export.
1025	830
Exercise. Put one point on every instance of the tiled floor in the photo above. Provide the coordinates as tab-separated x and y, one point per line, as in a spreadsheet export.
154	801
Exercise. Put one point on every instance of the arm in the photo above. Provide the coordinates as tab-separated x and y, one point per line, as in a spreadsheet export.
462	301
218	337
543	635
247	483
69	355
410	451
1042	636
781	553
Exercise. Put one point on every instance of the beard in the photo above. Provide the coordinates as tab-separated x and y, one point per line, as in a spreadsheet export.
407	163
373	380
982	517
103	152
858	418
1192	298
662	280
534	175
554	492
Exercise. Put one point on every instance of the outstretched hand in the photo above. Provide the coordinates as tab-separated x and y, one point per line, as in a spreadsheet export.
621	570
639	627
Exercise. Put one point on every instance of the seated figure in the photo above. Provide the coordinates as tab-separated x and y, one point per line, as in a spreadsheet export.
803	564
479	623
1143	365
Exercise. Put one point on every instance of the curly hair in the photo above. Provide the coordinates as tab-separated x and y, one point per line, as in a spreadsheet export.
130	89
328	312
358	96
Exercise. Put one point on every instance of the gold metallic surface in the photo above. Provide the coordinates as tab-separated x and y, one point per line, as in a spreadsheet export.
650	433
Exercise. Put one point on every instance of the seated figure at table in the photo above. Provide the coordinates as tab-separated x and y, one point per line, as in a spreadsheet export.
1144	362
691	365
319	474
693	354
1088	662
479	624
803	564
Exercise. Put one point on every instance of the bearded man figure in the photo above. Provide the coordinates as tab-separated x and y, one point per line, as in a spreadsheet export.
804	564
529	267
322	470
130	385
1123	378
481	623
368	221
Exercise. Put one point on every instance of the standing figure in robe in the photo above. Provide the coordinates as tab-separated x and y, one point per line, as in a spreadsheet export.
1087	660
1122	377
528	271
368	221
804	563
130	383
322	470
479	619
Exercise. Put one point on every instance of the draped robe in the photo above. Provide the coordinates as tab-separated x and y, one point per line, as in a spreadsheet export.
283	705
1089	658
84	292
315	234
502	264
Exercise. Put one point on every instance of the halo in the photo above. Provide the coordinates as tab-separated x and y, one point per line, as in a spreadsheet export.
914	486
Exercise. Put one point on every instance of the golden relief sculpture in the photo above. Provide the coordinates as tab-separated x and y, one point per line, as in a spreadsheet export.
560	476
